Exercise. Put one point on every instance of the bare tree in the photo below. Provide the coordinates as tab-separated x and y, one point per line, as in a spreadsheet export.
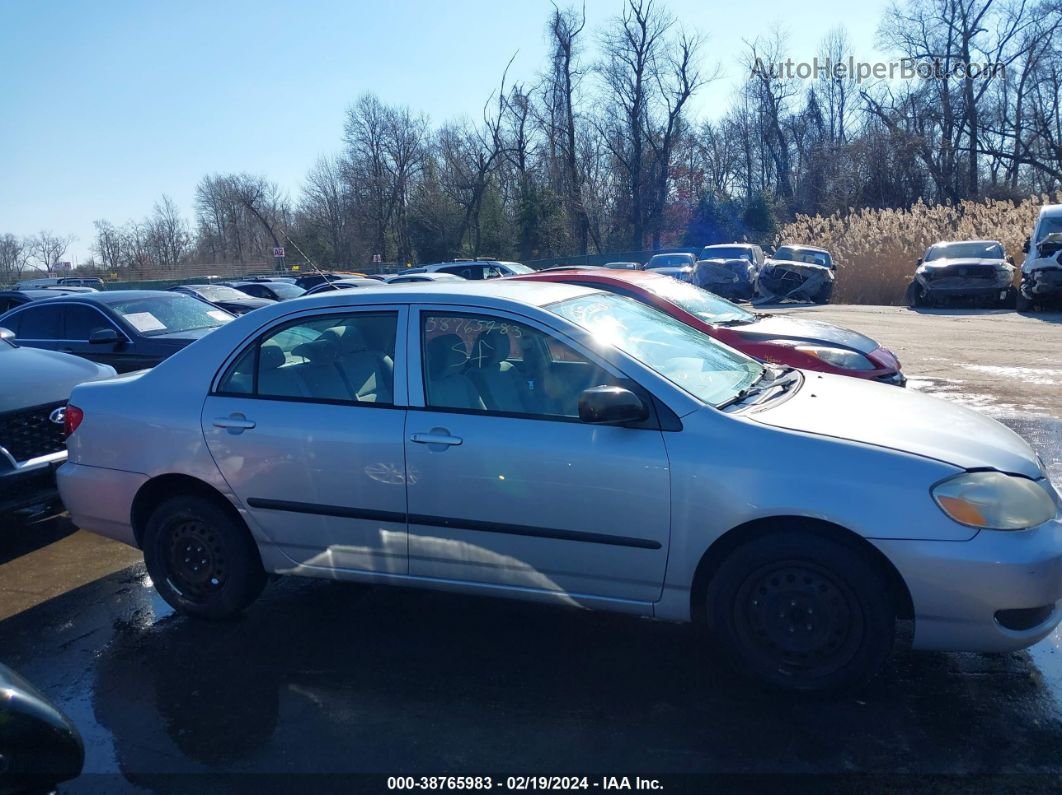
48	247
168	233
14	256
109	244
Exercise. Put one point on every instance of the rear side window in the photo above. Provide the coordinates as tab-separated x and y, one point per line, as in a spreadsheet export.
334	359
40	323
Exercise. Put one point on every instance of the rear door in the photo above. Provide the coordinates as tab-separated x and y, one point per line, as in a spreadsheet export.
306	427
507	487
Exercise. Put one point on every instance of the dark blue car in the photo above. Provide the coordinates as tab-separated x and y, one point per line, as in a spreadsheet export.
127	329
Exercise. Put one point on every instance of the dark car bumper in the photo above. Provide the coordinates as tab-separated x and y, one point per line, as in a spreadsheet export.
29	493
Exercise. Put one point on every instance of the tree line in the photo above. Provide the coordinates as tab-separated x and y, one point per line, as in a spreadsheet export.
600	152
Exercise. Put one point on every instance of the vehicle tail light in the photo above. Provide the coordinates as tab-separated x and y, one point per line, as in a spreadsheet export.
72	419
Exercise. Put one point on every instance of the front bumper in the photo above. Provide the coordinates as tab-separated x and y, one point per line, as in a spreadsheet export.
1043	282
994	292
966	593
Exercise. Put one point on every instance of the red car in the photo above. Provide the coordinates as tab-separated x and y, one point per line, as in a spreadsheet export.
807	344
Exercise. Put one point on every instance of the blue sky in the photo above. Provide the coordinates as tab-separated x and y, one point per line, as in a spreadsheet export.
109	104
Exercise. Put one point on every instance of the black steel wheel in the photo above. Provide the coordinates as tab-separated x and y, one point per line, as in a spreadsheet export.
802	612
202	561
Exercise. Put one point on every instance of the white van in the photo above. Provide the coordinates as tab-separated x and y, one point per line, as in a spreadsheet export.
1041	273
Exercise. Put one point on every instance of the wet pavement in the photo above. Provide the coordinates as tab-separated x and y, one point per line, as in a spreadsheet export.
328	677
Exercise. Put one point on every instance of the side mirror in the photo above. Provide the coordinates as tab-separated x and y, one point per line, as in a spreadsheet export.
104	336
918	262
40	745
1011	260
1025	246
611	405
7	335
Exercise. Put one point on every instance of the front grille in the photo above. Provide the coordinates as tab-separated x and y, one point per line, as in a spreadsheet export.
28	433
974	271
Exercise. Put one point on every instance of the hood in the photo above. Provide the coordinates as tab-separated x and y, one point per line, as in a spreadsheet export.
1047	253
806	267
903	420
798	329
33	377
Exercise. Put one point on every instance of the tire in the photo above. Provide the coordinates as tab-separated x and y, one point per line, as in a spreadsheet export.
1022	303
203	562
800	612
913	297
823	295
1011	299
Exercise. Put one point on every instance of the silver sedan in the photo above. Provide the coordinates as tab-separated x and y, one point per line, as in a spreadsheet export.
554	443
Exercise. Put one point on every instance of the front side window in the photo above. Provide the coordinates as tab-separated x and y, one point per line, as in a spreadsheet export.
708	370
81	321
495	365
334	358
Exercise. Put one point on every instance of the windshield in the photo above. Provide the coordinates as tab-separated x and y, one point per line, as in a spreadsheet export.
709	307
726	252
974	250
1049	225
221	293
169	314
668	261
711	372
810	256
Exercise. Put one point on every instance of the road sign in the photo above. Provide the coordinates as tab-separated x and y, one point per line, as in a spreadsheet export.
278	251
377	258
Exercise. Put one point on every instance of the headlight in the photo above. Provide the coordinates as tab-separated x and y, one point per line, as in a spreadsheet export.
838	357
994	501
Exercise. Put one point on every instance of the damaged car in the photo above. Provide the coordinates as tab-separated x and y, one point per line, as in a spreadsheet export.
733	278
1041	273
964	271
801	273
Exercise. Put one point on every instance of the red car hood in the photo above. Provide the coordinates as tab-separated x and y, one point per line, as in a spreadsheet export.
810	331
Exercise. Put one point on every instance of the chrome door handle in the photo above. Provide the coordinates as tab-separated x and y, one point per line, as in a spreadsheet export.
237	422
435	438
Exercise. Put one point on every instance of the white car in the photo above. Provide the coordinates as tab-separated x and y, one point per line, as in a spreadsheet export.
1041	273
555	443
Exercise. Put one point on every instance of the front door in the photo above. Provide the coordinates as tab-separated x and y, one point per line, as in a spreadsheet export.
307	430
507	487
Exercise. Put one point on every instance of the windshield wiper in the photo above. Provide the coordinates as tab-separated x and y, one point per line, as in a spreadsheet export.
737	321
766	380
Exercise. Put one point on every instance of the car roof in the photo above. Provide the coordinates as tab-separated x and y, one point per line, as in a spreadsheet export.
953	242
598	274
111	296
731	245
507	289
802	247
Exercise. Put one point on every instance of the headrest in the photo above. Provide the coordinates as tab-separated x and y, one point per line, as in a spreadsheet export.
492	347
320	351
349	339
270	357
446	354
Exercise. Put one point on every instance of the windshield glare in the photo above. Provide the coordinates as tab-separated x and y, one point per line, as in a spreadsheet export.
975	250
170	315
709	307
667	261
692	361
286	290
221	294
